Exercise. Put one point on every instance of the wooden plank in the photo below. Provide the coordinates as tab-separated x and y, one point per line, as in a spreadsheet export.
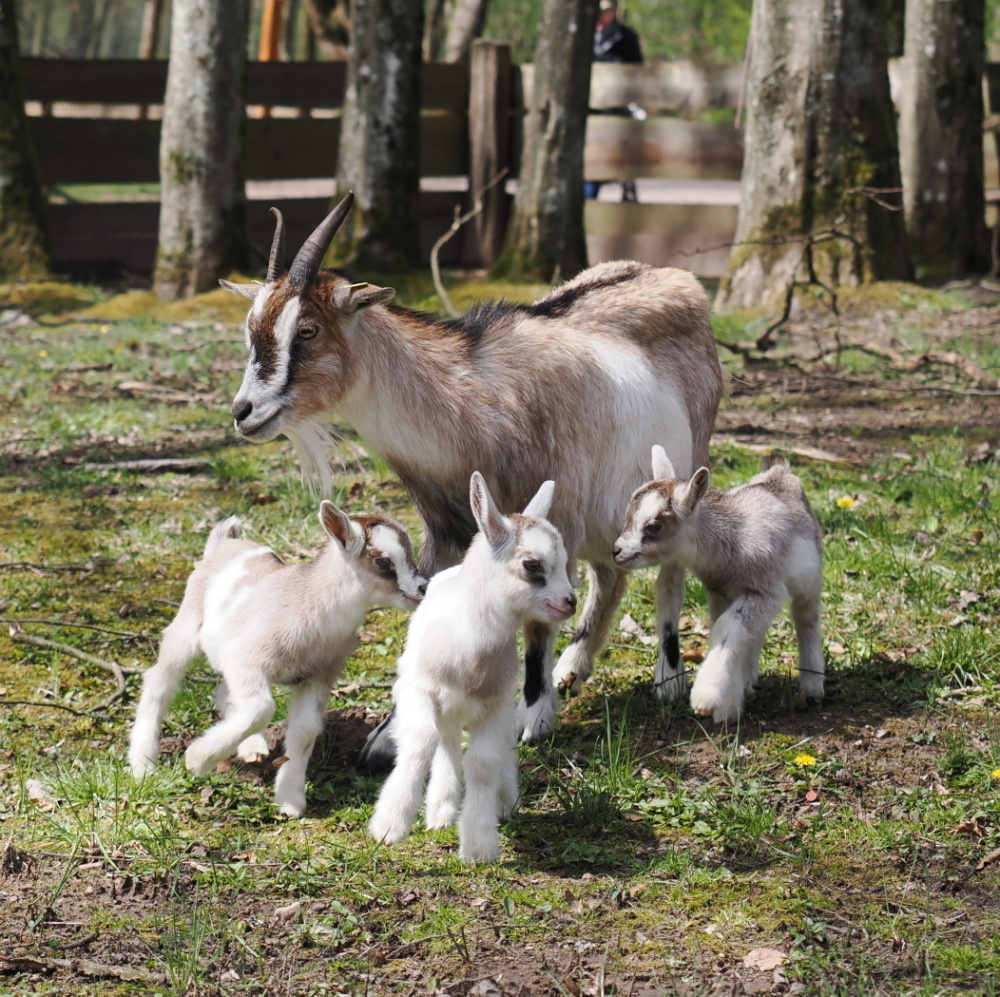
108	238
695	237
114	150
278	84
97	150
623	149
95	81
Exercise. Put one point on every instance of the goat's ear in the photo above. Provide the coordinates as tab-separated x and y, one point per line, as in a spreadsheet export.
247	290
491	521
353	297
341	528
663	470
541	503
689	495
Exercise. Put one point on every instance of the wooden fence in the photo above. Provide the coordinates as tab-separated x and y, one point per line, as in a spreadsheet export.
97	122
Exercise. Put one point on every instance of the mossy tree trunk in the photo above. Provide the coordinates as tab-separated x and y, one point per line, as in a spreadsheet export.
202	192
941	136
380	137
545	238
821	168
23	234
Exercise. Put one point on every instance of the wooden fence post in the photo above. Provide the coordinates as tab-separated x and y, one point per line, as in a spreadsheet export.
489	147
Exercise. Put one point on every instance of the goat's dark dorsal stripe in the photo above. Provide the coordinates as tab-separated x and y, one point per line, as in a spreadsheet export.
554	305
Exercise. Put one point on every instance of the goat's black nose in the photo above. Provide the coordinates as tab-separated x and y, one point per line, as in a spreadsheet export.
572	603
423	589
242	410
616	551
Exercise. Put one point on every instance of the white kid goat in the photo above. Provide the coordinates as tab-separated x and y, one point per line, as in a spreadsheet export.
260	621
459	671
753	548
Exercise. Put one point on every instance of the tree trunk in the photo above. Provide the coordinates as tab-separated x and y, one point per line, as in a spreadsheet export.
149	35
821	167
202	199
330	27
23	235
464	27
941	136
436	21
380	137
545	239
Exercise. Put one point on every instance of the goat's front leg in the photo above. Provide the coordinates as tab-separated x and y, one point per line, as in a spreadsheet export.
536	711
306	710
669	680
416	739
605	587
250	711
444	790
486	759
252	749
736	637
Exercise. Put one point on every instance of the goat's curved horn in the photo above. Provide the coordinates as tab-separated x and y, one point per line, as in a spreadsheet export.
309	257
276	262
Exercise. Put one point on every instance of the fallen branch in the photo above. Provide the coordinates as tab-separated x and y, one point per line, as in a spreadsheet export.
87	566
55	706
77	626
81	967
152	465
460	220
19	637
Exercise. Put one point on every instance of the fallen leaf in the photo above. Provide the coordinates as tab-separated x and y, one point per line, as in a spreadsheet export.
206	793
973	826
764	959
286	913
629	626
229	976
695	656
812	795
987	859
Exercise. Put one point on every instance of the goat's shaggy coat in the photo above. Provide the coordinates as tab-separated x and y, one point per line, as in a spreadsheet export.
753	548
459	671
260	621
575	387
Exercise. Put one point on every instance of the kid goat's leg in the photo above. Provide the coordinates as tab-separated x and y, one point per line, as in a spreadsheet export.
536	711
735	636
159	689
605	587
485	760
250	710
444	791
416	739
306	709
812	668
669	680
251	749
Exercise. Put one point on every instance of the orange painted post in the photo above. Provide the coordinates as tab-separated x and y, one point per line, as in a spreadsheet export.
270	38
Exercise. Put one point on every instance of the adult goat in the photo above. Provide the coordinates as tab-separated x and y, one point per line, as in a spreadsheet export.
576	387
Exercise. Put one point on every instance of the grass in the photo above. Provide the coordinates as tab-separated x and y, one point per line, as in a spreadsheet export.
651	853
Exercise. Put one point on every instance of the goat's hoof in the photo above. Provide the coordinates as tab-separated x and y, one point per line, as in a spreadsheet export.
292	808
197	763
805	701
386	833
569	685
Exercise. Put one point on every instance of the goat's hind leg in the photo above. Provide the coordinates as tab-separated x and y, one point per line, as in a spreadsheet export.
536	712
306	710
416	739
808	633
160	686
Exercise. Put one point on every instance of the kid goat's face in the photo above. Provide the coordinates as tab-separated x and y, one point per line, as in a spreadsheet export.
537	573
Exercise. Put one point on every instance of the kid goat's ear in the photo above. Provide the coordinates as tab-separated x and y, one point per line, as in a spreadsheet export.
541	503
689	495
491	521
663	470
341	528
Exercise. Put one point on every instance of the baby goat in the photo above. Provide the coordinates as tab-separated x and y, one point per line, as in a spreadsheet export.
459	671
260	621
753	548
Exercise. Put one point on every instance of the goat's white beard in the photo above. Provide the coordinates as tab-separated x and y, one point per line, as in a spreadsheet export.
313	440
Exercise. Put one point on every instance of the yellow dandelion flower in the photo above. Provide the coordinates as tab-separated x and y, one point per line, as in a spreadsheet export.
104	328
43	353
804	760
846	502
996	774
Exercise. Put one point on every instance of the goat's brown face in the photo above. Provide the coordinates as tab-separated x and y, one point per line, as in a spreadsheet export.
298	336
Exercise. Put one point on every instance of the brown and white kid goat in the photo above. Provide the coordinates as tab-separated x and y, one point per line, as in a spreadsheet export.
260	621
753	547
575	387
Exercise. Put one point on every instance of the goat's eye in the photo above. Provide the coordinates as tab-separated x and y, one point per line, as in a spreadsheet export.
308	332
383	562
532	567
653	529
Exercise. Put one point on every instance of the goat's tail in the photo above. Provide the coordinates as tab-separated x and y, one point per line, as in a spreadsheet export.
228	529
774	460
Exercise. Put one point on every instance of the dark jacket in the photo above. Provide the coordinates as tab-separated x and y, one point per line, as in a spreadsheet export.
617	43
